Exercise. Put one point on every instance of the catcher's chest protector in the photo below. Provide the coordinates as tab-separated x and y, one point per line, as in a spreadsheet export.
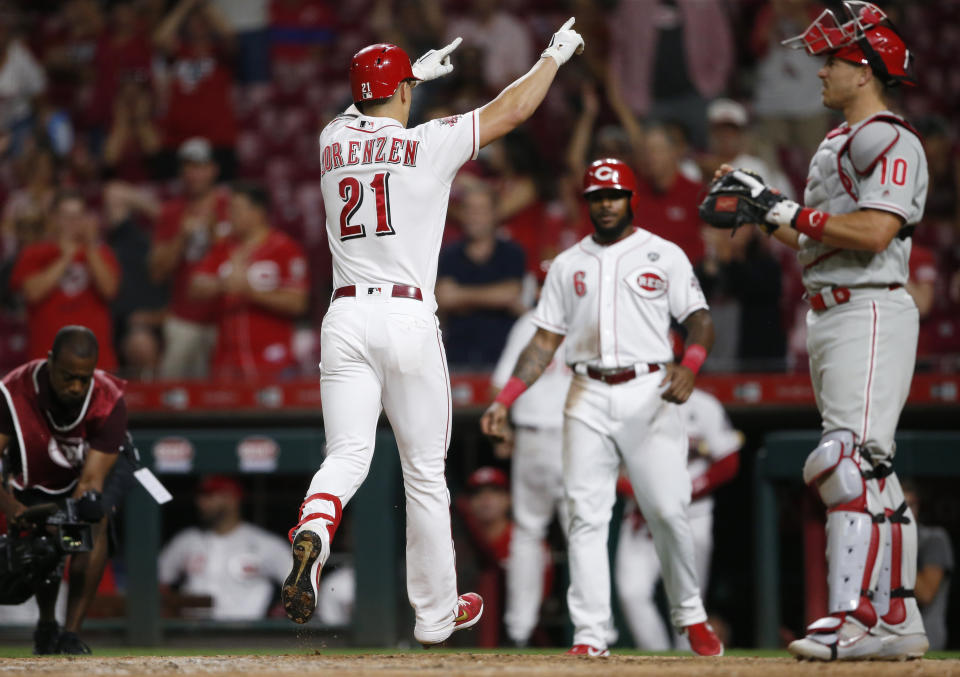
844	156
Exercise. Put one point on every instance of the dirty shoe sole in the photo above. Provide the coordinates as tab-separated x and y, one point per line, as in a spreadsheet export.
299	594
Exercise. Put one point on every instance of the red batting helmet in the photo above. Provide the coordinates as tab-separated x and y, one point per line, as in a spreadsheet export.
867	38
609	173
376	72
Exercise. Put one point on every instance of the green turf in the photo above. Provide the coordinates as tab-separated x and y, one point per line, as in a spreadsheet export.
25	652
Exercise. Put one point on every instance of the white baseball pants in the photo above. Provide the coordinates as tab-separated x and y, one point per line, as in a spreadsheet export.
603	425
637	570
382	350
537	494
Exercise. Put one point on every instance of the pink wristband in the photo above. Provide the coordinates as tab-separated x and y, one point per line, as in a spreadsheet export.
694	357
511	391
810	222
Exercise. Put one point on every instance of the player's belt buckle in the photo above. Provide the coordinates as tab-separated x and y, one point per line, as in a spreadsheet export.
829	297
397	291
615	376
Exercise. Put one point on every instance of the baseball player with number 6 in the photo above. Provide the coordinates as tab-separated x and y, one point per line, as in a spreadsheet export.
865	192
386	188
610	297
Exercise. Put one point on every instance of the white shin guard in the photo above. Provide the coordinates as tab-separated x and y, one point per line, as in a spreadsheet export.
853	536
851	552
893	596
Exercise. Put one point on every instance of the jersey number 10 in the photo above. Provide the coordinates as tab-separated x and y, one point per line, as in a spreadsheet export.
351	192
899	173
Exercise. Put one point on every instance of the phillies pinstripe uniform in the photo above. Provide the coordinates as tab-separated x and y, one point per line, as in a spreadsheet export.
613	303
862	339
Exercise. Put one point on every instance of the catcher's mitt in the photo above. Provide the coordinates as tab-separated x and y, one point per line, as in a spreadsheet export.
738	198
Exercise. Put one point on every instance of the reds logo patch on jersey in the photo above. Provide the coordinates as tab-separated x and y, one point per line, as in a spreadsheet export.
651	282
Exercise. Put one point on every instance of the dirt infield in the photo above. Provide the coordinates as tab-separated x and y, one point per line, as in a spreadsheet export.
468	665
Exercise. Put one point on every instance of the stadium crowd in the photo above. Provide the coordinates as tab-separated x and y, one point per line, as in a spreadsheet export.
124	125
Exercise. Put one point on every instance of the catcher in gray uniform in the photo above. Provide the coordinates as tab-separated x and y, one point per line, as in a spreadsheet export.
865	191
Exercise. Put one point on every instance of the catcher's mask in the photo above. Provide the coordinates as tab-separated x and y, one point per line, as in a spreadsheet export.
866	38
377	70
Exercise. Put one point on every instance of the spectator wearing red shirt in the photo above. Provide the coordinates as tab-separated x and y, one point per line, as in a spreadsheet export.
259	278
68	281
187	228
666	201
67	41
133	139
123	54
198	86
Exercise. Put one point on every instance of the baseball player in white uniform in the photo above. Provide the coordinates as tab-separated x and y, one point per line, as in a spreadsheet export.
239	570
386	188
713	459
536	481
866	189
612	296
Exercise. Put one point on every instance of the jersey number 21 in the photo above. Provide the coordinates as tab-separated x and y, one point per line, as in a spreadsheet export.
351	192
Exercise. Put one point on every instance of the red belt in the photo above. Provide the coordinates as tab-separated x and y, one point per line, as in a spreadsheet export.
619	375
834	296
399	291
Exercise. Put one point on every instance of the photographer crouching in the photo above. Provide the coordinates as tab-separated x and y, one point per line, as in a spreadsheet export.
63	436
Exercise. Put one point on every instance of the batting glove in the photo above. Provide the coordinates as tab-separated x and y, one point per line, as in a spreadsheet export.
565	43
435	63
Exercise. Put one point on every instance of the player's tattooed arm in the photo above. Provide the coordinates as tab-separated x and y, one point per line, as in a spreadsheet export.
699	326
680	378
531	363
537	355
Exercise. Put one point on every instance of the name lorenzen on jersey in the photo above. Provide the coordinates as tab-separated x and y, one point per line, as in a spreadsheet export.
386	150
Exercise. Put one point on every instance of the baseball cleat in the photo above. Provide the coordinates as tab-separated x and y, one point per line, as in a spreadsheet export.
69	643
45	638
703	640
833	638
903	647
587	650
468	612
299	593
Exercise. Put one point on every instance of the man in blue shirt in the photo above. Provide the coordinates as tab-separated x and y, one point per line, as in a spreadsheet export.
479	281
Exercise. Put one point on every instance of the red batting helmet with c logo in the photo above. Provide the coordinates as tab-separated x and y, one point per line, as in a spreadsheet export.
609	174
376	72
